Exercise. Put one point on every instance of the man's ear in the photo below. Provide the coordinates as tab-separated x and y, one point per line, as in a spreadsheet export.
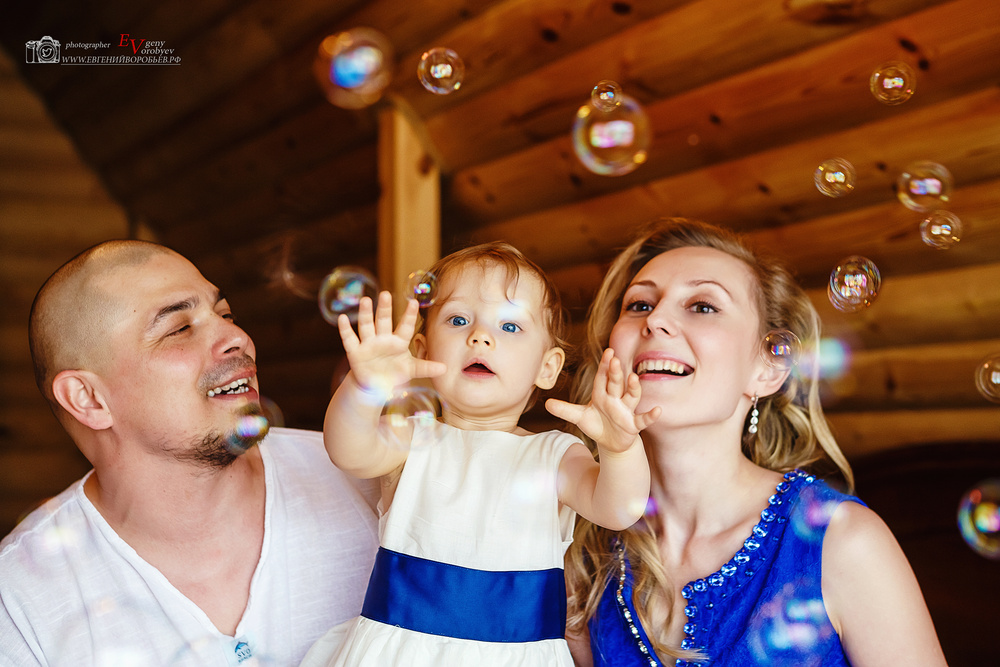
419	346
552	363
80	395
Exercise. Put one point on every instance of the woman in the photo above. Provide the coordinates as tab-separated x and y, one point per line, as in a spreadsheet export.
743	558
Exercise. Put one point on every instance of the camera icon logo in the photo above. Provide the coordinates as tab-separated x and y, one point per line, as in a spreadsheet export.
44	50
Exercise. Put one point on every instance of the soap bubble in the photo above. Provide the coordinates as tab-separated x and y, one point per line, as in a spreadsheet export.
924	186
988	378
606	95
354	67
854	284
781	349
271	412
422	286
941	229
342	291
834	177
979	518
893	83
614	142
441	71
811	515
410	408
792	628
251	427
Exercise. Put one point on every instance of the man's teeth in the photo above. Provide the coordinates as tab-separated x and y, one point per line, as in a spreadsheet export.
660	366
234	387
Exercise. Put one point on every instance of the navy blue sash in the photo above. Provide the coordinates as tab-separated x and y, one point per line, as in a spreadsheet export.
452	601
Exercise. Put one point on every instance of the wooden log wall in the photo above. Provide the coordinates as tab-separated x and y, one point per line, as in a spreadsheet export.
52	206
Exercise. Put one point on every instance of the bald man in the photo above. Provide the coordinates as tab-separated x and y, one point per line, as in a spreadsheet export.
191	542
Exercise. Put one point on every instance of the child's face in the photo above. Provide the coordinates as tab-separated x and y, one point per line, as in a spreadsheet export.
494	340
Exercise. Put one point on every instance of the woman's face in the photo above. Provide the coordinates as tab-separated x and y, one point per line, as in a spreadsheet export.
689	328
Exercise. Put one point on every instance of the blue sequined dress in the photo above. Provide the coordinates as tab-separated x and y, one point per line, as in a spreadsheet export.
763	607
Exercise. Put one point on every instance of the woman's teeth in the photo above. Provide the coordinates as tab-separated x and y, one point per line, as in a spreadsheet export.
661	366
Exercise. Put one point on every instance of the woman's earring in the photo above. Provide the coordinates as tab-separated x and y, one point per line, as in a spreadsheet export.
754	415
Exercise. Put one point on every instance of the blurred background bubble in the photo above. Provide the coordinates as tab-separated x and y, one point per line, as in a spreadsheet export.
893	83
941	229
789	628
924	186
835	177
611	142
441	71
979	518
354	67
854	284
988	378
341	292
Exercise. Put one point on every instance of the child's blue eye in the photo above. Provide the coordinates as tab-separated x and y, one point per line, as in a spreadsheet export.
510	327
458	321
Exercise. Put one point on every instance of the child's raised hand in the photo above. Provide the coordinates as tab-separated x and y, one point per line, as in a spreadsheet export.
380	357
609	419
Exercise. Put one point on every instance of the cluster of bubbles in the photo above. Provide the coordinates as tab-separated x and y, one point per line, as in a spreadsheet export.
611	131
790	628
835	177
781	349
355	66
979	518
854	284
893	83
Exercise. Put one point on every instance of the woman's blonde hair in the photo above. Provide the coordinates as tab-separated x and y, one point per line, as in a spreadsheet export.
792	430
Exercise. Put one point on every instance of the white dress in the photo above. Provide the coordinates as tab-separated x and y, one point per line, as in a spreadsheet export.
483	501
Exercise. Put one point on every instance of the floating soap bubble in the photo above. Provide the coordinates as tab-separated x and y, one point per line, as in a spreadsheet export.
408	410
342	291
988	378
613	142
811	515
924	186
979	518
781	349
354	67
422	286
441	71
271	412
835	177
893	83
251	427
606	95
791	629
854	284
834	358
941	229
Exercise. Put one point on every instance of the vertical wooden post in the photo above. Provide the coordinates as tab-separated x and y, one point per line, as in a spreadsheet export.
409	212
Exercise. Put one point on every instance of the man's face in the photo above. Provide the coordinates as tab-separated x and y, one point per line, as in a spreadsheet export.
179	372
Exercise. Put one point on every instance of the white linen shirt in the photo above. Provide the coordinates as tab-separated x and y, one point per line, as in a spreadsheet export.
72	592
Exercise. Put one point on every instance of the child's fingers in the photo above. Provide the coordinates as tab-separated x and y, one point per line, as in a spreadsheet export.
383	316
366	320
647	418
633	391
408	323
616	378
570	412
424	368
347	335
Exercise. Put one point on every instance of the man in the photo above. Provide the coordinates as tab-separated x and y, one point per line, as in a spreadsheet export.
198	538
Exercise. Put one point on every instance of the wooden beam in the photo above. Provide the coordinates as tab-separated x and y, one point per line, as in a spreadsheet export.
409	213
813	92
707	42
863	433
773	187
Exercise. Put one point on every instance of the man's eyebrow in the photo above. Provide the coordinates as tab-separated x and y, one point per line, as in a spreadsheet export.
179	306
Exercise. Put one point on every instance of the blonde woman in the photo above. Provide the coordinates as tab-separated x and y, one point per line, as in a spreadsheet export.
744	558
